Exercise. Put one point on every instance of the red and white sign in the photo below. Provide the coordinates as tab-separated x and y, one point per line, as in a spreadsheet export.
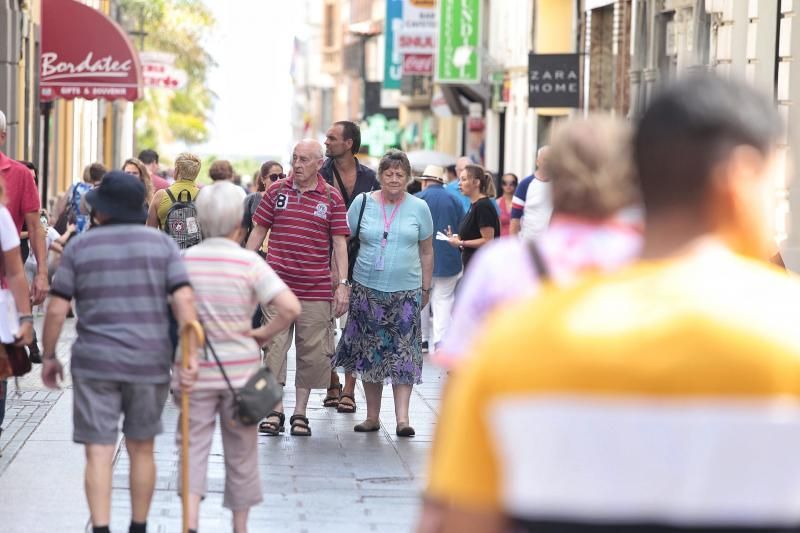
417	64
159	71
100	63
415	42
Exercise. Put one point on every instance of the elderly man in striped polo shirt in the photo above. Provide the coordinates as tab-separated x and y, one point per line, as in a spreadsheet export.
305	215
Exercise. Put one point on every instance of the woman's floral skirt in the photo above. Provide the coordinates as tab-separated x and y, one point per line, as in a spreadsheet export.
382	341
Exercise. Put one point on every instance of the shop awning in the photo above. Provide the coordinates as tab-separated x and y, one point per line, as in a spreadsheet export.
86	55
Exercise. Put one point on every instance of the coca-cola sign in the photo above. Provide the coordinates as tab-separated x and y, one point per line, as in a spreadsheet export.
100	63
417	64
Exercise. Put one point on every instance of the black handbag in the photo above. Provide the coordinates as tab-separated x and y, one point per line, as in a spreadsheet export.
354	244
257	398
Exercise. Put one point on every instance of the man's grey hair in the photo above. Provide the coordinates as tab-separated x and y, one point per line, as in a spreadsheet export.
2	122
220	208
317	146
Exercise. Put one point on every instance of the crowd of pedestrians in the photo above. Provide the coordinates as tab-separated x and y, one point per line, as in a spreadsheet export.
617	348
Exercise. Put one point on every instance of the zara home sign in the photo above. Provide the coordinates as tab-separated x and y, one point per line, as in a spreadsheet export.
553	80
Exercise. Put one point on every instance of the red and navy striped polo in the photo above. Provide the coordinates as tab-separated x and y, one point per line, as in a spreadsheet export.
302	224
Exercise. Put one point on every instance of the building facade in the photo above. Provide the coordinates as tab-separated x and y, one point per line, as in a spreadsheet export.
754	40
79	132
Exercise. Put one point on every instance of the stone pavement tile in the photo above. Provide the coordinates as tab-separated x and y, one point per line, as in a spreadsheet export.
336	480
47	479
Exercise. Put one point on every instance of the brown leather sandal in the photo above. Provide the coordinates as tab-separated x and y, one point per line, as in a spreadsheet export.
300	427
273	429
348	406
332	399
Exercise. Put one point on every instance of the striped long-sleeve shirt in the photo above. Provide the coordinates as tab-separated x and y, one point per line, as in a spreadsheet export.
229	282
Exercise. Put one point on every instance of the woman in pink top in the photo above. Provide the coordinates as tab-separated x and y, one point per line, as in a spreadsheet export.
591	229
592	184
508	184
228	282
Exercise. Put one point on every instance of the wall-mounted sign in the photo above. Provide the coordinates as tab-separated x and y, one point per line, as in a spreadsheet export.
419	15
553	80
458	58
415	42
393	60
159	71
417	64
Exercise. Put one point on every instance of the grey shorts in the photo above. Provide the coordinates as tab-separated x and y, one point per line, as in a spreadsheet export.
98	405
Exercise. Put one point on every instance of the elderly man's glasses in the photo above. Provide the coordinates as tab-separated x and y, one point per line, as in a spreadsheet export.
276	177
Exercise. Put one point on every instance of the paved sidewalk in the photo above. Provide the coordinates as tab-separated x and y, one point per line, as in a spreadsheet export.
41	470
27	405
336	480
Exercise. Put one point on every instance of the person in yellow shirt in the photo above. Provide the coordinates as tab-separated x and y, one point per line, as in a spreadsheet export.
187	167
664	397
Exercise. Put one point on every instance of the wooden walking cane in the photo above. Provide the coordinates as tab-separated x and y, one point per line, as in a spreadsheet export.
187	330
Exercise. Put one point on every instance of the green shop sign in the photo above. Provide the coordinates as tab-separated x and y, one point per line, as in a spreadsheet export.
458	50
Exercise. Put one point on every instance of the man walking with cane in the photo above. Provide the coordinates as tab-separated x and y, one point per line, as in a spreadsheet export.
120	274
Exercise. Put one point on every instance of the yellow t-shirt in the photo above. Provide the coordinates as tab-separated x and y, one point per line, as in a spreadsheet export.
666	393
176	188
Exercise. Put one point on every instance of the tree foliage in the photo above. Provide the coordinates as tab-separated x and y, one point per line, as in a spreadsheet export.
175	26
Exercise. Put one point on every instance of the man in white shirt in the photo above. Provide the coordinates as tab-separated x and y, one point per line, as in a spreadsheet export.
532	205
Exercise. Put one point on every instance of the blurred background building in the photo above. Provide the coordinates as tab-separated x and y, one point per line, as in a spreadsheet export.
437	78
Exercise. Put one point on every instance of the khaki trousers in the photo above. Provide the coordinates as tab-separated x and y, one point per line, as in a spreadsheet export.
313	335
239	445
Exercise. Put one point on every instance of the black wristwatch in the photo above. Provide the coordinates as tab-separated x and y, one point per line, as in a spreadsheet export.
345	282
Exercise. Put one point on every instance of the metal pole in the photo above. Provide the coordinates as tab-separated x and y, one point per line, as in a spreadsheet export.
47	107
501	166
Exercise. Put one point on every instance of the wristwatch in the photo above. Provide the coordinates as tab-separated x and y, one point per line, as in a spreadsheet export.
345	282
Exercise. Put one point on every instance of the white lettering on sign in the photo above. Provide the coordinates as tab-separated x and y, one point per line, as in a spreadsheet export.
548	75
418	64
548	88
106	67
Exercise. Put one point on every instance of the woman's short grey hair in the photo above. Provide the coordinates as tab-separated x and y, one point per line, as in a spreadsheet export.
220	209
395	159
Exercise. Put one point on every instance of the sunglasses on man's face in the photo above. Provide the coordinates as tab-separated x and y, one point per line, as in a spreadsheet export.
276	177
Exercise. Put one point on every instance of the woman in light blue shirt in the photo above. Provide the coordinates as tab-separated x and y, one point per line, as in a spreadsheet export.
382	340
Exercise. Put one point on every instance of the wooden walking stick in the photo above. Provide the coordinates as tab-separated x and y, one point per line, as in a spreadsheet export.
187	330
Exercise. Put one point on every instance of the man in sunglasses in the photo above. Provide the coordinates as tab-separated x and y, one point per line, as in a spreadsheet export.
343	170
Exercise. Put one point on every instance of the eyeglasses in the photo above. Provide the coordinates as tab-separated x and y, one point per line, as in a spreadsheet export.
276	177
509	184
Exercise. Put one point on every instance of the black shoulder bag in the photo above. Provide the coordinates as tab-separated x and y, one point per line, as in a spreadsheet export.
345	196
354	244
257	398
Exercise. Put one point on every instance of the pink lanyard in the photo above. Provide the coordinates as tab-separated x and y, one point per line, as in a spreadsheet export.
387	222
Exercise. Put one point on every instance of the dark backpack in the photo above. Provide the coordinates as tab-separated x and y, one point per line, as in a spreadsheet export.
181	220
